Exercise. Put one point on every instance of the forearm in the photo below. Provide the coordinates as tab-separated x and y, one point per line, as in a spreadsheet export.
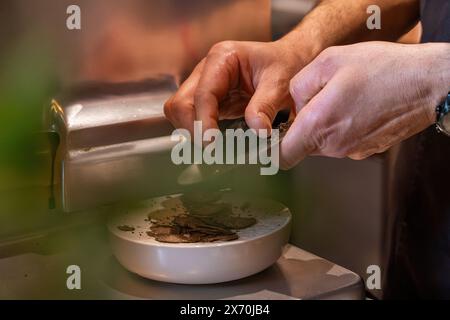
340	22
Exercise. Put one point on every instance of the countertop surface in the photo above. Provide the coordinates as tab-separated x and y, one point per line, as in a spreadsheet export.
36	268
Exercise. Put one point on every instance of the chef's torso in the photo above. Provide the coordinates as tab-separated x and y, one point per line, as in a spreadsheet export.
419	202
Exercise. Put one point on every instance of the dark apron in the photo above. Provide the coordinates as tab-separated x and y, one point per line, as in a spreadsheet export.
419	197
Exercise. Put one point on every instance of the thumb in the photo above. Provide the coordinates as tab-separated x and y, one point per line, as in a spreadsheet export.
265	104
309	91
300	140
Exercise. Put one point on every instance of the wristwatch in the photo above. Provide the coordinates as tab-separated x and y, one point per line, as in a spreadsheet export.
443	116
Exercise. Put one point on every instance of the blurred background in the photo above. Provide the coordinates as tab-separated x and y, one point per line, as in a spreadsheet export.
338	205
120	42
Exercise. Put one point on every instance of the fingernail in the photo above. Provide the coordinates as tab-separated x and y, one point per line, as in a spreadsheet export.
265	121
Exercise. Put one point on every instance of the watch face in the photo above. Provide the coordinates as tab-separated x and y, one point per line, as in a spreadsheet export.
445	124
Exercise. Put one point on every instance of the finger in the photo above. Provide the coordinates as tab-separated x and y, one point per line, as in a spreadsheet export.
220	75
298	141
268	99
311	80
307	135
311	94
179	109
233	106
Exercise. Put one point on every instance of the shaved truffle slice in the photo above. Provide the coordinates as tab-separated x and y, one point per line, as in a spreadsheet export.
172	238
196	217
163	230
284	128
234	222
125	228
198	224
194	237
160	214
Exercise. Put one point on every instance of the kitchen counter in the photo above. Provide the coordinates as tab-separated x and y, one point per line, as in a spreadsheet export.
35	268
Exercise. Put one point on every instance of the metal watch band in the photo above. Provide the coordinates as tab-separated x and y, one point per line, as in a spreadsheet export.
443	110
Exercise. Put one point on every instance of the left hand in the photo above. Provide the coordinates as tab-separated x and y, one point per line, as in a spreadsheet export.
358	100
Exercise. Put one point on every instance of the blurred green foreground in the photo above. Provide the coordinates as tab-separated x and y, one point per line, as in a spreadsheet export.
27	82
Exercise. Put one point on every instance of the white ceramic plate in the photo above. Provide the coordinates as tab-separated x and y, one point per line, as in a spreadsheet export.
257	248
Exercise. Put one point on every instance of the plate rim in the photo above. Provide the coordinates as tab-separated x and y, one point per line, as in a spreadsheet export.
113	230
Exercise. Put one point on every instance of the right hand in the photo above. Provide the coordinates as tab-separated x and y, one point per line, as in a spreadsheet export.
236	79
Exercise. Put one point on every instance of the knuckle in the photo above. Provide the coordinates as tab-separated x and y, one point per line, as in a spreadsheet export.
327	59
298	94
317	135
268	107
199	95
281	85
329	52
318	141
292	86
224	47
175	105
167	107
223	53
357	156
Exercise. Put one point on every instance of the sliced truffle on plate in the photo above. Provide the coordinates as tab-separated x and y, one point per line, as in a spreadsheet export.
160	214
172	238
210	209
233	222
163	230
126	228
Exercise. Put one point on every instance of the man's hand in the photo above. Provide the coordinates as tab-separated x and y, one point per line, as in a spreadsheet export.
252	79
358	100
236	79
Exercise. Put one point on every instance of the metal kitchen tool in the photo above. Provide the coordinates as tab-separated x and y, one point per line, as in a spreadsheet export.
257	248
114	144
201	173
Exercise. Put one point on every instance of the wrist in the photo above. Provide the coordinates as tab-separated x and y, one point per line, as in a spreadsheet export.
300	46
441	63
437	71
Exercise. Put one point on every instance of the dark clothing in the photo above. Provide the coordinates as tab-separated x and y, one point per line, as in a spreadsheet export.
435	18
419	199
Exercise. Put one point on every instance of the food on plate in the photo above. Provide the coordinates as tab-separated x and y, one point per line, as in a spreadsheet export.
284	127
196	217
125	228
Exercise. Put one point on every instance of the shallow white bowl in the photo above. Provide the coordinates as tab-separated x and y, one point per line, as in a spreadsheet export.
257	248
